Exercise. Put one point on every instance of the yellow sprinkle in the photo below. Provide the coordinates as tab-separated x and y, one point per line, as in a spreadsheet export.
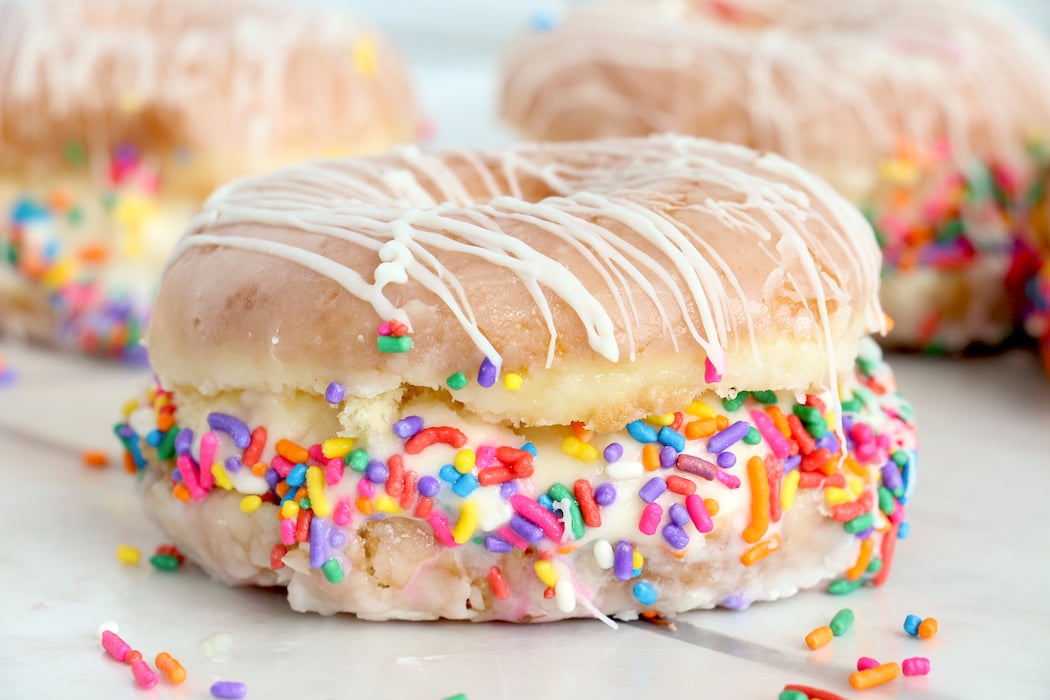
855	485
898	171
467	523
222	478
337	447
289	509
788	490
834	496
663	419
545	572
512	381
59	274
464	461
365	59
250	504
127	554
315	492
129	407
582	451
637	561
385	504
130	102
700	410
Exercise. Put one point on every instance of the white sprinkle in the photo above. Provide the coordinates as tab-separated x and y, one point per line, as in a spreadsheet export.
565	595
218	646
603	554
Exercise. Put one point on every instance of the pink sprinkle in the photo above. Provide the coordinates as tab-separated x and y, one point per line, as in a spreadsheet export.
897	516
650	519
768	430
333	470
711	375
189	477
916	666
144	675
866	662
727	479
694	505
365	489
442	529
426	129
507	533
282	466
317	453
209	443
342	514
539	516
288	531
485	457
384	328
115	646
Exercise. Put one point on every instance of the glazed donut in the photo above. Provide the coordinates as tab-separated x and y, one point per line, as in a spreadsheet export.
118	117
930	116
551	381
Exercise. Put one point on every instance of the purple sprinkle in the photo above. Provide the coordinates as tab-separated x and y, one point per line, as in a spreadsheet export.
184	442
487	373
679	515
847	425
891	476
176	476
726	460
428	486
829	442
334	393
668	455
652	489
737	601
319	529
233	464
126	431
377	472
234	427
508	489
613	452
675	536
698	466
623	560
728	437
407	427
792	463
524	528
336	538
498	545
866	533
228	690
272	477
605	494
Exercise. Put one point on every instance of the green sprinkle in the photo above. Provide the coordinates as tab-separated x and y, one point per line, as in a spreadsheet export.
936	349
164	562
166	448
900	458
792	695
851	406
906	410
951	230
304	503
109	200
806	414
456	381
394	343
866	366
74	153
75	216
765	397
874	566
753	437
886	500
843	586
818	428
558	493
734	404
358	460
459	696
333	571
842	621
859	524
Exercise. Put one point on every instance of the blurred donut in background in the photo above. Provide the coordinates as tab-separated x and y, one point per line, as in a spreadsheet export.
118	117
932	117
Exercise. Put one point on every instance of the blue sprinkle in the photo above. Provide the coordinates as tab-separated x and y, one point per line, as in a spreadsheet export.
908	476
671	438
530	448
642	431
465	485
903	530
154	438
449	473
644	593
543	20
911	625
546	501
297	476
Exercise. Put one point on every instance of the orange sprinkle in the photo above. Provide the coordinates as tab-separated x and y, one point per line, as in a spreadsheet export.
60	199
498	584
581	432
819	637
93	253
568	548
721	422
779	420
651	456
95	458
862	680
928	628
165	422
364	506
856	468
129	464
281	489
259	468
760	551
756	477
701	428
712	506
181	492
295	454
867	547
888	320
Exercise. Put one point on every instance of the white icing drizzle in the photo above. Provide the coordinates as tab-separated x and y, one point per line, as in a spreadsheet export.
413	207
830	84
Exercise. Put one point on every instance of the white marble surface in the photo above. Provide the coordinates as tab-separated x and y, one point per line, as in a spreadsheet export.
975	557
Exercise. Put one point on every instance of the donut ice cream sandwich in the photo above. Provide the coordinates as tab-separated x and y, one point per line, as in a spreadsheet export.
119	117
613	378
